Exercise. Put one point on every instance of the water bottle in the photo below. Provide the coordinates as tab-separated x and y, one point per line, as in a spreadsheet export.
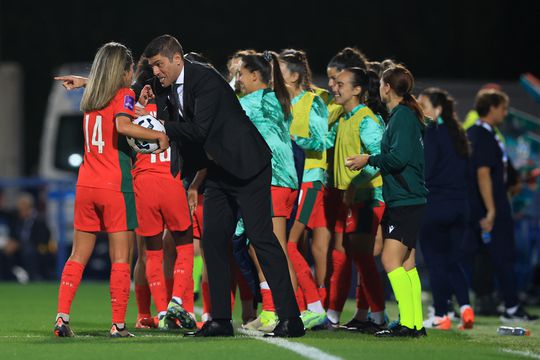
486	237
514	331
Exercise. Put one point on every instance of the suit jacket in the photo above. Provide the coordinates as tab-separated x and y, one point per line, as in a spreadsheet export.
215	126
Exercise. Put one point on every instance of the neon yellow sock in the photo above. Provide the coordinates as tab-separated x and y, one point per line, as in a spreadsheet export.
197	273
417	298
401	284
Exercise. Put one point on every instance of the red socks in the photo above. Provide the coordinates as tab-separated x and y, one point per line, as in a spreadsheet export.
156	279
303	274
183	270
267	301
340	281
119	287
371	281
71	278
142	296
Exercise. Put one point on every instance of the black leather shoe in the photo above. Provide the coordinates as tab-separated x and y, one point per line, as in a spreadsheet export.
213	328
397	331
422	332
292	327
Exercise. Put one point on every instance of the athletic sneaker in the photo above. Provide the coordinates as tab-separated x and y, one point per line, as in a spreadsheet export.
351	324
62	329
253	325
333	325
166	323
177	311
365	327
398	331
394	323
268	321
439	323
147	322
467	319
519	315
116	332
312	319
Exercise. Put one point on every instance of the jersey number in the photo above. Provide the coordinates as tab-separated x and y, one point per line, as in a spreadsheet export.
97	134
164	156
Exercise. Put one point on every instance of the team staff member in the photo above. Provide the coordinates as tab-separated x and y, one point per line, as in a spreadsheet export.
491	223
401	162
447	153
209	122
104	199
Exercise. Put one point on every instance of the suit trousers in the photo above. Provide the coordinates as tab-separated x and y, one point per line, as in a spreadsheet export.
226	195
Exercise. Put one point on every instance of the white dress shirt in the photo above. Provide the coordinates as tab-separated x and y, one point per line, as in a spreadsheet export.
180	90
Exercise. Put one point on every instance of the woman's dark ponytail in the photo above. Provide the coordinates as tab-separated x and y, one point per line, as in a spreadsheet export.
401	81
438	97
280	88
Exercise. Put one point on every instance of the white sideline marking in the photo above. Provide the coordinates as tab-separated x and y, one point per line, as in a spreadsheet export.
527	353
306	351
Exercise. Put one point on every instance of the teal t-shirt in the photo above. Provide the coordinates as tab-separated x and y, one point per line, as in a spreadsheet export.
264	110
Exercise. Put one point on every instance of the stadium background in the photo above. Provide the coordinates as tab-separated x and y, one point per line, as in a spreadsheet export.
458	45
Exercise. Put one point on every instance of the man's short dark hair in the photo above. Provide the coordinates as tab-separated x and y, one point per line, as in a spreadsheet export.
165	45
489	98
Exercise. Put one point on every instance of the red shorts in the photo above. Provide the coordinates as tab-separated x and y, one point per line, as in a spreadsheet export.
197	218
283	199
311	205
161	203
104	210
364	218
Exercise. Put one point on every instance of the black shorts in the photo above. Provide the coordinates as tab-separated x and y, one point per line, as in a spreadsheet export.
403	223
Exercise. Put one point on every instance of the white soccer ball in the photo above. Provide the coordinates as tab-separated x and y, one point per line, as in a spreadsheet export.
146	146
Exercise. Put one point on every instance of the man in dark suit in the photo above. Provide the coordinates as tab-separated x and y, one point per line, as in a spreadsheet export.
209	126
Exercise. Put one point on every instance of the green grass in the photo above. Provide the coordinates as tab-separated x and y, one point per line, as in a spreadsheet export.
28	316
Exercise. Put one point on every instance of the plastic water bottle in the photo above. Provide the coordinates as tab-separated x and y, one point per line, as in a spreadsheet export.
486	237
514	331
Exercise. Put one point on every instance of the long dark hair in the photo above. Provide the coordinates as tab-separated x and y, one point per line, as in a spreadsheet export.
268	67
369	82
297	62
439	97
348	57
402	82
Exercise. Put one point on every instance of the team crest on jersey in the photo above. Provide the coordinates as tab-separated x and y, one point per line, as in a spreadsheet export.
129	102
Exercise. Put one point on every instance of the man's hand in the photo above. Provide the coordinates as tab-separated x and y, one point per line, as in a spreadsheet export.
72	82
487	222
193	199
356	162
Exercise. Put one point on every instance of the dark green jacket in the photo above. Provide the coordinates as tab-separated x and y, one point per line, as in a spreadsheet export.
402	159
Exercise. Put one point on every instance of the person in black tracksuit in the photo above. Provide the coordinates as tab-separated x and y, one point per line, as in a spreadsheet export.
447	152
491	225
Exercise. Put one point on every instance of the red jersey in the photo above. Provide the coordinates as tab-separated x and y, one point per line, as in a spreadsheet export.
155	164
107	160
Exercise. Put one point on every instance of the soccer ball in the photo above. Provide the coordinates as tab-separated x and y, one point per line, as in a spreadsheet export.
146	146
